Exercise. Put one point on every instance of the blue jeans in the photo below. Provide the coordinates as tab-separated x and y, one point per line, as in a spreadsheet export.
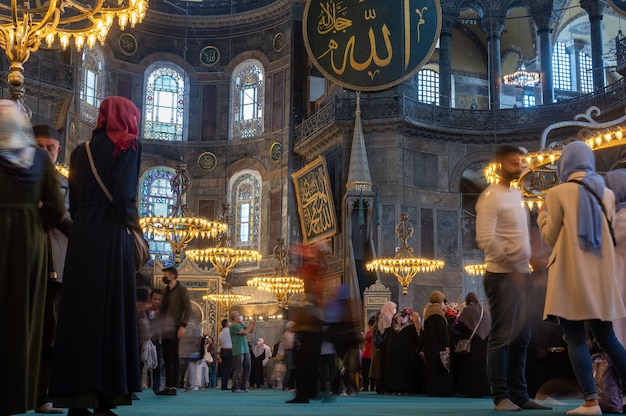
213	373
241	371
576	337
509	335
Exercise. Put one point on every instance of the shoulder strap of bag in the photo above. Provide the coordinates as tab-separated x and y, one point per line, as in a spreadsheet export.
482	311
592	192
95	173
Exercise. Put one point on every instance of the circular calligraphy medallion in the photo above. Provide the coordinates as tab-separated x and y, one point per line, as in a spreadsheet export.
619	6
128	44
368	46
276	151
279	42
209	55
207	161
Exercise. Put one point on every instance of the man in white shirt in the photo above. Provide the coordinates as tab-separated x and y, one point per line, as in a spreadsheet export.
225	353
502	232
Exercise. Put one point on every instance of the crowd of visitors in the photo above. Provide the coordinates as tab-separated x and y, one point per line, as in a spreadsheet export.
108	313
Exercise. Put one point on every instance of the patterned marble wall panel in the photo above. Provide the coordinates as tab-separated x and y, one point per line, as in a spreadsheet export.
425	170
388	240
448	237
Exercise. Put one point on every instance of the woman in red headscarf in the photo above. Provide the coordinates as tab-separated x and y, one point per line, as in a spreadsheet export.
96	357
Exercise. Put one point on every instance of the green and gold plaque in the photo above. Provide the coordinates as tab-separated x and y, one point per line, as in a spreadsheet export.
369	45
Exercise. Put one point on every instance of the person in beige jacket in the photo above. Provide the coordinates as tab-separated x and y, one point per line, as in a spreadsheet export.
582	287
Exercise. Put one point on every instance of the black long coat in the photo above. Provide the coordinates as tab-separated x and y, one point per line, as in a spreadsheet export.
436	339
96	357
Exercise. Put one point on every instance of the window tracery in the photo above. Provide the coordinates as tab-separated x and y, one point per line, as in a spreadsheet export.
247	104
164	104
157	199
246	200
91	84
428	86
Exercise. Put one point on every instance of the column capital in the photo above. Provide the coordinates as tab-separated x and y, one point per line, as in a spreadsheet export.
493	26
448	21
594	8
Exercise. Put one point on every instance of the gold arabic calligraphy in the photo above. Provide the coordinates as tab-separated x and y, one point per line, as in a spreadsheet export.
332	20
316	203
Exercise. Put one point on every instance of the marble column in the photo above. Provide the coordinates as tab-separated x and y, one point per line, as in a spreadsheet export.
543	22
493	27
594	9
445	60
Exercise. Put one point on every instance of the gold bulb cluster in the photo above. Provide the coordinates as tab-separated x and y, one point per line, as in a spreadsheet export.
224	258
405	268
63	169
280	286
227	299
476	269
479	269
182	227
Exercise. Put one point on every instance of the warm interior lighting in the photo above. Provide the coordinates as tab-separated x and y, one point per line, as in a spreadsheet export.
521	77
404	266
476	269
22	27
181	228
63	169
280	283
226	299
224	257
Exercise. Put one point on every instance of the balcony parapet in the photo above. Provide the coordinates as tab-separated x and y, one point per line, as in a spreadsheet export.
451	124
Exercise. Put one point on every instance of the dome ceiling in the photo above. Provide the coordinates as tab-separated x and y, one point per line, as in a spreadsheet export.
206	7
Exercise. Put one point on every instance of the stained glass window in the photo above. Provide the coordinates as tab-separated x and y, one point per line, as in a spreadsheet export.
428	86
157	198
164	104
247	105
586	74
91	84
562	67
245	192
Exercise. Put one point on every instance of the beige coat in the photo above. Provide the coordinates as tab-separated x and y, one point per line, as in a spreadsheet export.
581	285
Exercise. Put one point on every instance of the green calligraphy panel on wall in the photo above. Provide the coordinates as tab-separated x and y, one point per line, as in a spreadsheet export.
315	201
370	45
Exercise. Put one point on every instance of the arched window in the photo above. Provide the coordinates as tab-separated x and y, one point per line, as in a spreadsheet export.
428	86
164	104
91	84
245	191
562	67
157	199
586	74
247	100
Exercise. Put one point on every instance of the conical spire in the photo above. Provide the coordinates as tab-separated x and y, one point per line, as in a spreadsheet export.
359	178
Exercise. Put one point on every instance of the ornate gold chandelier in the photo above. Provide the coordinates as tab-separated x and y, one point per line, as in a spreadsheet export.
23	27
281	284
180	228
404	266
521	77
226	299
224	257
63	169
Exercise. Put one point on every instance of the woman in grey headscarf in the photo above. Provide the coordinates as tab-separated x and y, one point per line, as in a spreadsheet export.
616	181
30	192
582	288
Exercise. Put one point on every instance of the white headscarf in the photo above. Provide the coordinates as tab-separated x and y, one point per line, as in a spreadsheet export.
17	142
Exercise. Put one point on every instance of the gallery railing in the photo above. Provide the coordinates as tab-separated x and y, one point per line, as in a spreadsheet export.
470	122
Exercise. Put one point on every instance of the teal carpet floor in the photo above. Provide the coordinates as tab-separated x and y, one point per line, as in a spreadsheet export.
271	402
